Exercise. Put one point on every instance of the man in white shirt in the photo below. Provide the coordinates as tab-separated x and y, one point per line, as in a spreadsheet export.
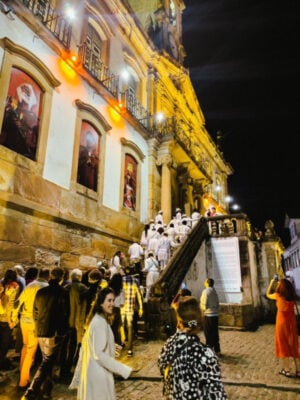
136	253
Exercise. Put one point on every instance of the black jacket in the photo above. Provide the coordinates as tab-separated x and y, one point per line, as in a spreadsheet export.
51	310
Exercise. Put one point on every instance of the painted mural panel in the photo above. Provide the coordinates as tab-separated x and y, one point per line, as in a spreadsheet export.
130	176
20	128
88	159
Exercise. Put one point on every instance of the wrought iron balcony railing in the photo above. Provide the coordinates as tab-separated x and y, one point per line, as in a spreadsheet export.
52	18
135	108
94	65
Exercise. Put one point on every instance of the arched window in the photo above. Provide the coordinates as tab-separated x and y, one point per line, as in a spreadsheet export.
132	158
89	145
27	87
20	128
88	156
130	181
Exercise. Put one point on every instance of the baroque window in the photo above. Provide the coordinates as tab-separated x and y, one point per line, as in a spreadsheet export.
27	87
88	157
88	154
130	179
132	159
20	128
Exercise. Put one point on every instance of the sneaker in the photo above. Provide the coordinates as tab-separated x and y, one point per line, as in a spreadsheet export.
130	353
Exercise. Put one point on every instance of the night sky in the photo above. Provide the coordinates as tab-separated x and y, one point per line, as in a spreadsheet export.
244	61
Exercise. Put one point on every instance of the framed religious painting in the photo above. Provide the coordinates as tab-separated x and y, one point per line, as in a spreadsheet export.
20	128
130	179
88	158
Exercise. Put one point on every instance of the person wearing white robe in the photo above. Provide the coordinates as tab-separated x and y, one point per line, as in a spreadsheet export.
94	374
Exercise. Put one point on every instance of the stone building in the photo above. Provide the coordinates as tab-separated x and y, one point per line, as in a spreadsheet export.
291	255
100	129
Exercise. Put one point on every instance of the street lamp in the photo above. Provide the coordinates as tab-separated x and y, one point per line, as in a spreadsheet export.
228	199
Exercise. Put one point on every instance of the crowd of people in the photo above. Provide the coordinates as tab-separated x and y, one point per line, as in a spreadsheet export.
73	325
53	312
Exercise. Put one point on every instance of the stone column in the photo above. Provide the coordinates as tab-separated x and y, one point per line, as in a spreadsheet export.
165	161
152	156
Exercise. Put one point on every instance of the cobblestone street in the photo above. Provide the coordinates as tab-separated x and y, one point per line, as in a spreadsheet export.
249	369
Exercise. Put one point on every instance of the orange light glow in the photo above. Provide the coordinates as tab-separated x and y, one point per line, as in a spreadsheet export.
114	114
68	72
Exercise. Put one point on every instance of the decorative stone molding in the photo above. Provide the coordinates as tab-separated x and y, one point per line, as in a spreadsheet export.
134	147
165	159
10	46
90	109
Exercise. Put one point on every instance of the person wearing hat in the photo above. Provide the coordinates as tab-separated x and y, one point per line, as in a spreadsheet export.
178	216
72	340
159	218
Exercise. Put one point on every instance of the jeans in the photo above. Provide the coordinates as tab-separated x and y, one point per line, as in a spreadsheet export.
30	344
42	381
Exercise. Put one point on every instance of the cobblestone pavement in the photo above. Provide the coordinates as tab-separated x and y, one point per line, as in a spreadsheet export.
249	370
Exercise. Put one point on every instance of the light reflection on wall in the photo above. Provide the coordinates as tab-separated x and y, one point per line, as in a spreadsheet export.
68	72
115	117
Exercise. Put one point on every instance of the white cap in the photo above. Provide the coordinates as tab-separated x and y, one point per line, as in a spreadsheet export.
19	269
76	274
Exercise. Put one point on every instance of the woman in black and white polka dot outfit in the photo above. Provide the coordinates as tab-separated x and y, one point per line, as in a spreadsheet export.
191	369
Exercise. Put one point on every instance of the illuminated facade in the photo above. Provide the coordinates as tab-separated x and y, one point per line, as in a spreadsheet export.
100	129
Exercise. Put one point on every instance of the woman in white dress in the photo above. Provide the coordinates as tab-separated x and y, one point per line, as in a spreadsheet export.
94	374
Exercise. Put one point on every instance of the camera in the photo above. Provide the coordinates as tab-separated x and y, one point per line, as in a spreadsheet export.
275	277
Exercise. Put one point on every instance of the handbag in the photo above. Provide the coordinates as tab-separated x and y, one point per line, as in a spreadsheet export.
298	319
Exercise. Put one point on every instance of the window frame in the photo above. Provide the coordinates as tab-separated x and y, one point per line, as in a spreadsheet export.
91	115
16	56
130	148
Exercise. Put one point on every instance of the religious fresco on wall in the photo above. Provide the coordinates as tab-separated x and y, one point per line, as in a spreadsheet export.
88	159
20	128
130	176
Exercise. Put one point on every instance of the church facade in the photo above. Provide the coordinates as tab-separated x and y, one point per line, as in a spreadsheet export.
100	129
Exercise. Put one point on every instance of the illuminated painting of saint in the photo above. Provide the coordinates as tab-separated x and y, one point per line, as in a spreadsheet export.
20	128
129	199
88	160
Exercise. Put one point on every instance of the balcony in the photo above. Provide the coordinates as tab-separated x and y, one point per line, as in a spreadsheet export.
135	108
95	67
52	19
163	128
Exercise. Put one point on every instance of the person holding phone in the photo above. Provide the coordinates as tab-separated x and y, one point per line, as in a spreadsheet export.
286	334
